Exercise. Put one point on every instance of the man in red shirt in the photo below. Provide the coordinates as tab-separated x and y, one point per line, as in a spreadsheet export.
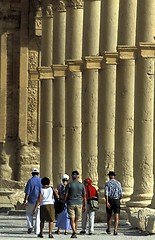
89	213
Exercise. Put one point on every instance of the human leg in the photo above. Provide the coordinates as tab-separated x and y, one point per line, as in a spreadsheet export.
108	223
50	228
29	216
91	221
41	229
116	218
37	221
84	222
116	214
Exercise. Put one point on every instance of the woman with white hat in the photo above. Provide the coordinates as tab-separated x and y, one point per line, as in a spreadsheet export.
63	222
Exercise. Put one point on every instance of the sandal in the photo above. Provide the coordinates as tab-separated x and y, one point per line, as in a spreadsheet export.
57	232
115	232
65	233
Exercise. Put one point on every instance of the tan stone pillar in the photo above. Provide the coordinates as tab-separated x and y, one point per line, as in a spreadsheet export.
107	87
5	170
73	84
23	91
3	87
125	96
46	123
59	34
144	106
90	91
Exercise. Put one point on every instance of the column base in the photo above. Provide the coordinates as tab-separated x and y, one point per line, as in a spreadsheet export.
5	204
139	200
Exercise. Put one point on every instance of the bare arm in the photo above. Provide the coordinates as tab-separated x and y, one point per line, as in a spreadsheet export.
38	202
25	198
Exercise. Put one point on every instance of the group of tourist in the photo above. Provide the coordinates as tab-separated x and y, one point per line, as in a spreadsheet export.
76	199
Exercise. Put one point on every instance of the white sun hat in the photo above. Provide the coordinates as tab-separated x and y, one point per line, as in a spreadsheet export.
35	170
65	177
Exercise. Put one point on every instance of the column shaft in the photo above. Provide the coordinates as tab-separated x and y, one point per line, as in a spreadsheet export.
107	89
144	110
46	120
3	87
73	86
59	34
90	92
125	99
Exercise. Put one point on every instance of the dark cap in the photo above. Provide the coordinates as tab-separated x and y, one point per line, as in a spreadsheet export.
75	173
111	173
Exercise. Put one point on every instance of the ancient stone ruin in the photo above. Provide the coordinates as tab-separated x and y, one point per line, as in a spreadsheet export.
77	92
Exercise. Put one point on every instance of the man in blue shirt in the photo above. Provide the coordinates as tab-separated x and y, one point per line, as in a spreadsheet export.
113	194
32	191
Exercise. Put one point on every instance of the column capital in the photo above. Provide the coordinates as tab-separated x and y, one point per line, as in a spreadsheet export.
92	62
45	73
74	3
47	11
59	70
126	52
74	65
110	58
59	5
146	50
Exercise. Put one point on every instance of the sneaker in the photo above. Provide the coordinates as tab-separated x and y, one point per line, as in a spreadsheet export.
40	235
30	230
108	231
73	235
83	232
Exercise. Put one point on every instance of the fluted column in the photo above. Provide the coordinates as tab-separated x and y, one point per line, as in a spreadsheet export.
125	96
144	106
107	87
73	84
59	34
46	123
90	91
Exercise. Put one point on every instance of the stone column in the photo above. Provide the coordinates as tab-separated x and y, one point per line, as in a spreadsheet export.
5	170
90	91
73	84
125	96
3	87
46	123
23	92
107	88
59	34
144	106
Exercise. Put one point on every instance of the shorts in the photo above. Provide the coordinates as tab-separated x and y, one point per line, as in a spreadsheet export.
74	211
115	206
47	213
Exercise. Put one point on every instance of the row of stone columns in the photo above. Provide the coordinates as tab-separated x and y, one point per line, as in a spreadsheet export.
99	117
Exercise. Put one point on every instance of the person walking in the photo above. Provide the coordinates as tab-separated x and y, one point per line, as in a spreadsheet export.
75	196
63	221
32	191
46	202
89	214
113	194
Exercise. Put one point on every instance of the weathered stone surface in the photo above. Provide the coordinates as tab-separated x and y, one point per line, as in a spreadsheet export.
97	112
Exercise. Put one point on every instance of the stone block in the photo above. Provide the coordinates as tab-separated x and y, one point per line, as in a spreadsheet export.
143	216
150	227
